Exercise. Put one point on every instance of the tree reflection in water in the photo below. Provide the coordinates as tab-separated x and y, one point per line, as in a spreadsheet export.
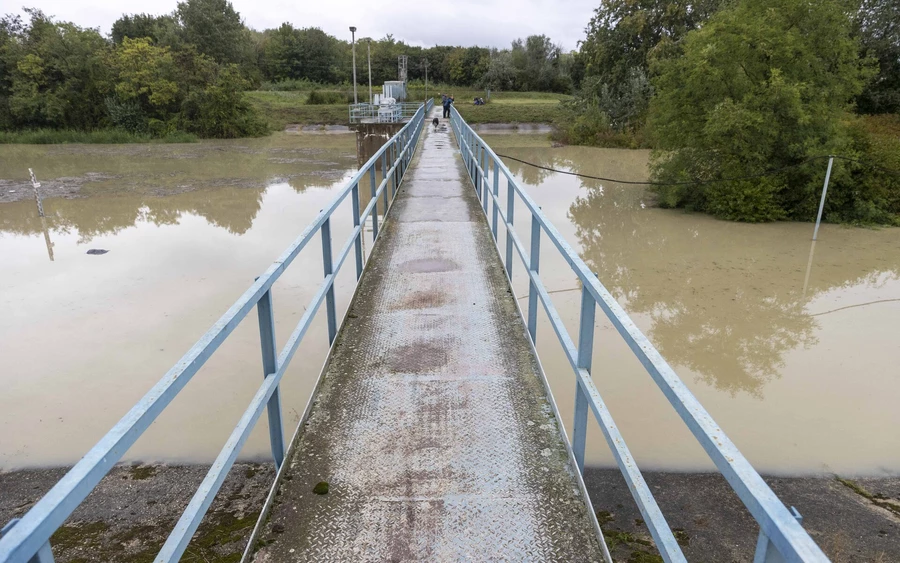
724	299
231	208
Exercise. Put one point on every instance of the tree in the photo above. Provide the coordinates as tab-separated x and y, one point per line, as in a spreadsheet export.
221	110
623	34
146	80
538	63
879	30
160	29
762	85
53	73
501	74
613	64
215	29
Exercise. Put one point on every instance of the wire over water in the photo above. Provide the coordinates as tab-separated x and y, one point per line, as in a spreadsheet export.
701	182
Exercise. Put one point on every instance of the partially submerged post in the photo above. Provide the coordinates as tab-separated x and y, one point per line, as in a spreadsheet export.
822	202
37	197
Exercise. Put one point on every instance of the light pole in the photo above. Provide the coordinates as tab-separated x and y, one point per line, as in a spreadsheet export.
353	35
369	46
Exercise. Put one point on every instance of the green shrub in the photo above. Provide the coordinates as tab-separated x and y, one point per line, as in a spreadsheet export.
126	115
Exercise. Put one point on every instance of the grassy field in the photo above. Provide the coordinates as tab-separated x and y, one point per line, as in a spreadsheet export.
281	108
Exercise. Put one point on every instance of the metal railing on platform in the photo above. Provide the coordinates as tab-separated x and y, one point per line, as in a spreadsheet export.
27	539
384	113
781	537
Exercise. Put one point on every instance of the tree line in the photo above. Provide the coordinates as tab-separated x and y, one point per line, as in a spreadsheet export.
729	91
187	70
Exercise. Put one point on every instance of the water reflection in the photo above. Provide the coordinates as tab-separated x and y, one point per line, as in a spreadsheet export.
117	187
188	228
725	300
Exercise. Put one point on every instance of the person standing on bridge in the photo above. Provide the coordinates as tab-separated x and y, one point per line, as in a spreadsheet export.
448	101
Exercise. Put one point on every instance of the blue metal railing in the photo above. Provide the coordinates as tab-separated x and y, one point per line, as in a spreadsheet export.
781	536
388	113
27	539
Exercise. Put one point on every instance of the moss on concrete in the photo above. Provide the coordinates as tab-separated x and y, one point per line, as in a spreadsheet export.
878	500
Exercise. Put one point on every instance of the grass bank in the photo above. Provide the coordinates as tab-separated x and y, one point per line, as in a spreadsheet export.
281	108
504	107
101	136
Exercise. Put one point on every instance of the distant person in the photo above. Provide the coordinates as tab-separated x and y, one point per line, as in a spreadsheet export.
448	101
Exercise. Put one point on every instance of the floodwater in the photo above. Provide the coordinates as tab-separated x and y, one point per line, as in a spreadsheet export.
187	227
792	348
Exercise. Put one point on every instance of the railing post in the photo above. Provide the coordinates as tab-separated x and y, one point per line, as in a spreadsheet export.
484	177
394	167
496	164
477	174
510	211
766	552
535	257
43	555
585	355
270	366
354	197
471	163
329	271
384	177
374	190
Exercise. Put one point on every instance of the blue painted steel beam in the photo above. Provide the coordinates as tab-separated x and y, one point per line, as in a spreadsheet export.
266	316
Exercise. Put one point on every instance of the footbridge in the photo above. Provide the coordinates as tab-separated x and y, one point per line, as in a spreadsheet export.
432	434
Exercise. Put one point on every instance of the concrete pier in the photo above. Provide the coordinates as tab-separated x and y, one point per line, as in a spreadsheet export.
431	426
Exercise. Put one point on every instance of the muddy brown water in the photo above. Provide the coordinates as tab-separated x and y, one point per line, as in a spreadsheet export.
792	348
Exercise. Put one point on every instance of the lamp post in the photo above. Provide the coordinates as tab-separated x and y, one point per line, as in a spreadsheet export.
353	35
369	46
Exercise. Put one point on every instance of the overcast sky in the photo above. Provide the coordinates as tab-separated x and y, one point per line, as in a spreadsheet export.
457	22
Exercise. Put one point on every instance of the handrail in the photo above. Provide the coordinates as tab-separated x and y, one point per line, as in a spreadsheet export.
780	530
27	538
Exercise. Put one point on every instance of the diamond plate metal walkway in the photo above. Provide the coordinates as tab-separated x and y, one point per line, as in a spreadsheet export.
431	424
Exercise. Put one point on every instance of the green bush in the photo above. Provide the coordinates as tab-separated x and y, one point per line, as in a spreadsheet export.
222	110
126	115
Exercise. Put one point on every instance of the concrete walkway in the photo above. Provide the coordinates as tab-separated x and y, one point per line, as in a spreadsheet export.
432	424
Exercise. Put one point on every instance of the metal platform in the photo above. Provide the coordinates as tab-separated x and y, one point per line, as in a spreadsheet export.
431	423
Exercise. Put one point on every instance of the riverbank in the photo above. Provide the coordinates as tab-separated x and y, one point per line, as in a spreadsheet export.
128	516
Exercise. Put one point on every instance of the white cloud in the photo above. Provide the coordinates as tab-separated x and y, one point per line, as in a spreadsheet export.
461	22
